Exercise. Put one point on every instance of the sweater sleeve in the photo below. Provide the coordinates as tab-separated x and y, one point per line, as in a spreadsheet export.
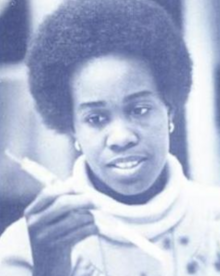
15	251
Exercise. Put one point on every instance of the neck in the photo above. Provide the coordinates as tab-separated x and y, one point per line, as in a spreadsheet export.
141	198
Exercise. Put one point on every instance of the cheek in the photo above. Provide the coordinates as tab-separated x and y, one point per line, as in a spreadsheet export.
163	136
160	134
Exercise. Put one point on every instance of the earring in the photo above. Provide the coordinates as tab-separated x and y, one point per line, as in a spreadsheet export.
77	146
171	127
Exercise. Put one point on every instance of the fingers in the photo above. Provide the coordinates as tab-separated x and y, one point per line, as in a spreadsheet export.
59	217
66	204
46	197
61	207
71	221
63	195
77	235
66	237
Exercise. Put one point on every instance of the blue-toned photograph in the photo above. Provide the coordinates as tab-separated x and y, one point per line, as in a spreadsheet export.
110	138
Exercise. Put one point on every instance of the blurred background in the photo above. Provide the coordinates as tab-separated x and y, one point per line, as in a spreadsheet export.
195	141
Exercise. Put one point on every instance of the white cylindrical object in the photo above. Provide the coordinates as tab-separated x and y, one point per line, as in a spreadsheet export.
38	172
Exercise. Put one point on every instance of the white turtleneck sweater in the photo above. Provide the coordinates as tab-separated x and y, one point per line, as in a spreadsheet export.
176	233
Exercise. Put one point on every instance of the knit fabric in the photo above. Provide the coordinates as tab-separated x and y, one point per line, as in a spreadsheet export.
152	219
177	233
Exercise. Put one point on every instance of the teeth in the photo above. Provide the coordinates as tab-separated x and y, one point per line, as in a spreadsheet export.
126	165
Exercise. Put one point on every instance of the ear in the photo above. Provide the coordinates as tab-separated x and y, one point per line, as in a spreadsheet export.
171	125
171	113
73	137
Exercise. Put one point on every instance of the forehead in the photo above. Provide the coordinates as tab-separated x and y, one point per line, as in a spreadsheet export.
112	78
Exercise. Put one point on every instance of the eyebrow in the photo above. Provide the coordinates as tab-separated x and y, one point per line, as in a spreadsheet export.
99	104
92	104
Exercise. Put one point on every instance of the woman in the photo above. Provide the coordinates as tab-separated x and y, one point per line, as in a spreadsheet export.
113	75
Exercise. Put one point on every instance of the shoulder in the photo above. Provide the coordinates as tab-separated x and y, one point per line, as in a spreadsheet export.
15	230
205	196
15	250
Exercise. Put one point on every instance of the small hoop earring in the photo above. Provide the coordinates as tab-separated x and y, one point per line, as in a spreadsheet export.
77	146
171	127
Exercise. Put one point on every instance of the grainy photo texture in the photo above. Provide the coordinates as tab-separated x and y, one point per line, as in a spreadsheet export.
109	149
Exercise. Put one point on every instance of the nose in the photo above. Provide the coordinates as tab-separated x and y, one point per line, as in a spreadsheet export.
121	137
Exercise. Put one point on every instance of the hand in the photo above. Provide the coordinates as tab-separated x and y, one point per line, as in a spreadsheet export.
57	220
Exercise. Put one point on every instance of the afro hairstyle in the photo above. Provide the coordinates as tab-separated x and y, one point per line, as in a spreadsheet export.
84	29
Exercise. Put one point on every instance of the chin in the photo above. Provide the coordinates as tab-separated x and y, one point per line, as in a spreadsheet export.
131	187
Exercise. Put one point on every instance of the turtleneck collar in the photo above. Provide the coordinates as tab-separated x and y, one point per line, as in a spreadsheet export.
151	218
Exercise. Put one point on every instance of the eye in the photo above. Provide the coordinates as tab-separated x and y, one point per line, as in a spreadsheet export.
140	110
96	119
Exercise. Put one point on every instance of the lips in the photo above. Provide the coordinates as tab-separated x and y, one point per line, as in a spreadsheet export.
126	163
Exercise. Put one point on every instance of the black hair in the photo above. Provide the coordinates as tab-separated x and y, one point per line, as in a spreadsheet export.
82	29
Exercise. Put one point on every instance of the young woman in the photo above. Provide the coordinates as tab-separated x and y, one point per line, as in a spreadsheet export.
112	75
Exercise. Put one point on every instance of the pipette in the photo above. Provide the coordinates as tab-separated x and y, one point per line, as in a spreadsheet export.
37	171
45	177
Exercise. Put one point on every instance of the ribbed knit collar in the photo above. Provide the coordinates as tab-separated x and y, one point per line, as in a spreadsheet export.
152	219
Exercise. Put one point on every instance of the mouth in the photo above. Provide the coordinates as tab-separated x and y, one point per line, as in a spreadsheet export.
127	163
